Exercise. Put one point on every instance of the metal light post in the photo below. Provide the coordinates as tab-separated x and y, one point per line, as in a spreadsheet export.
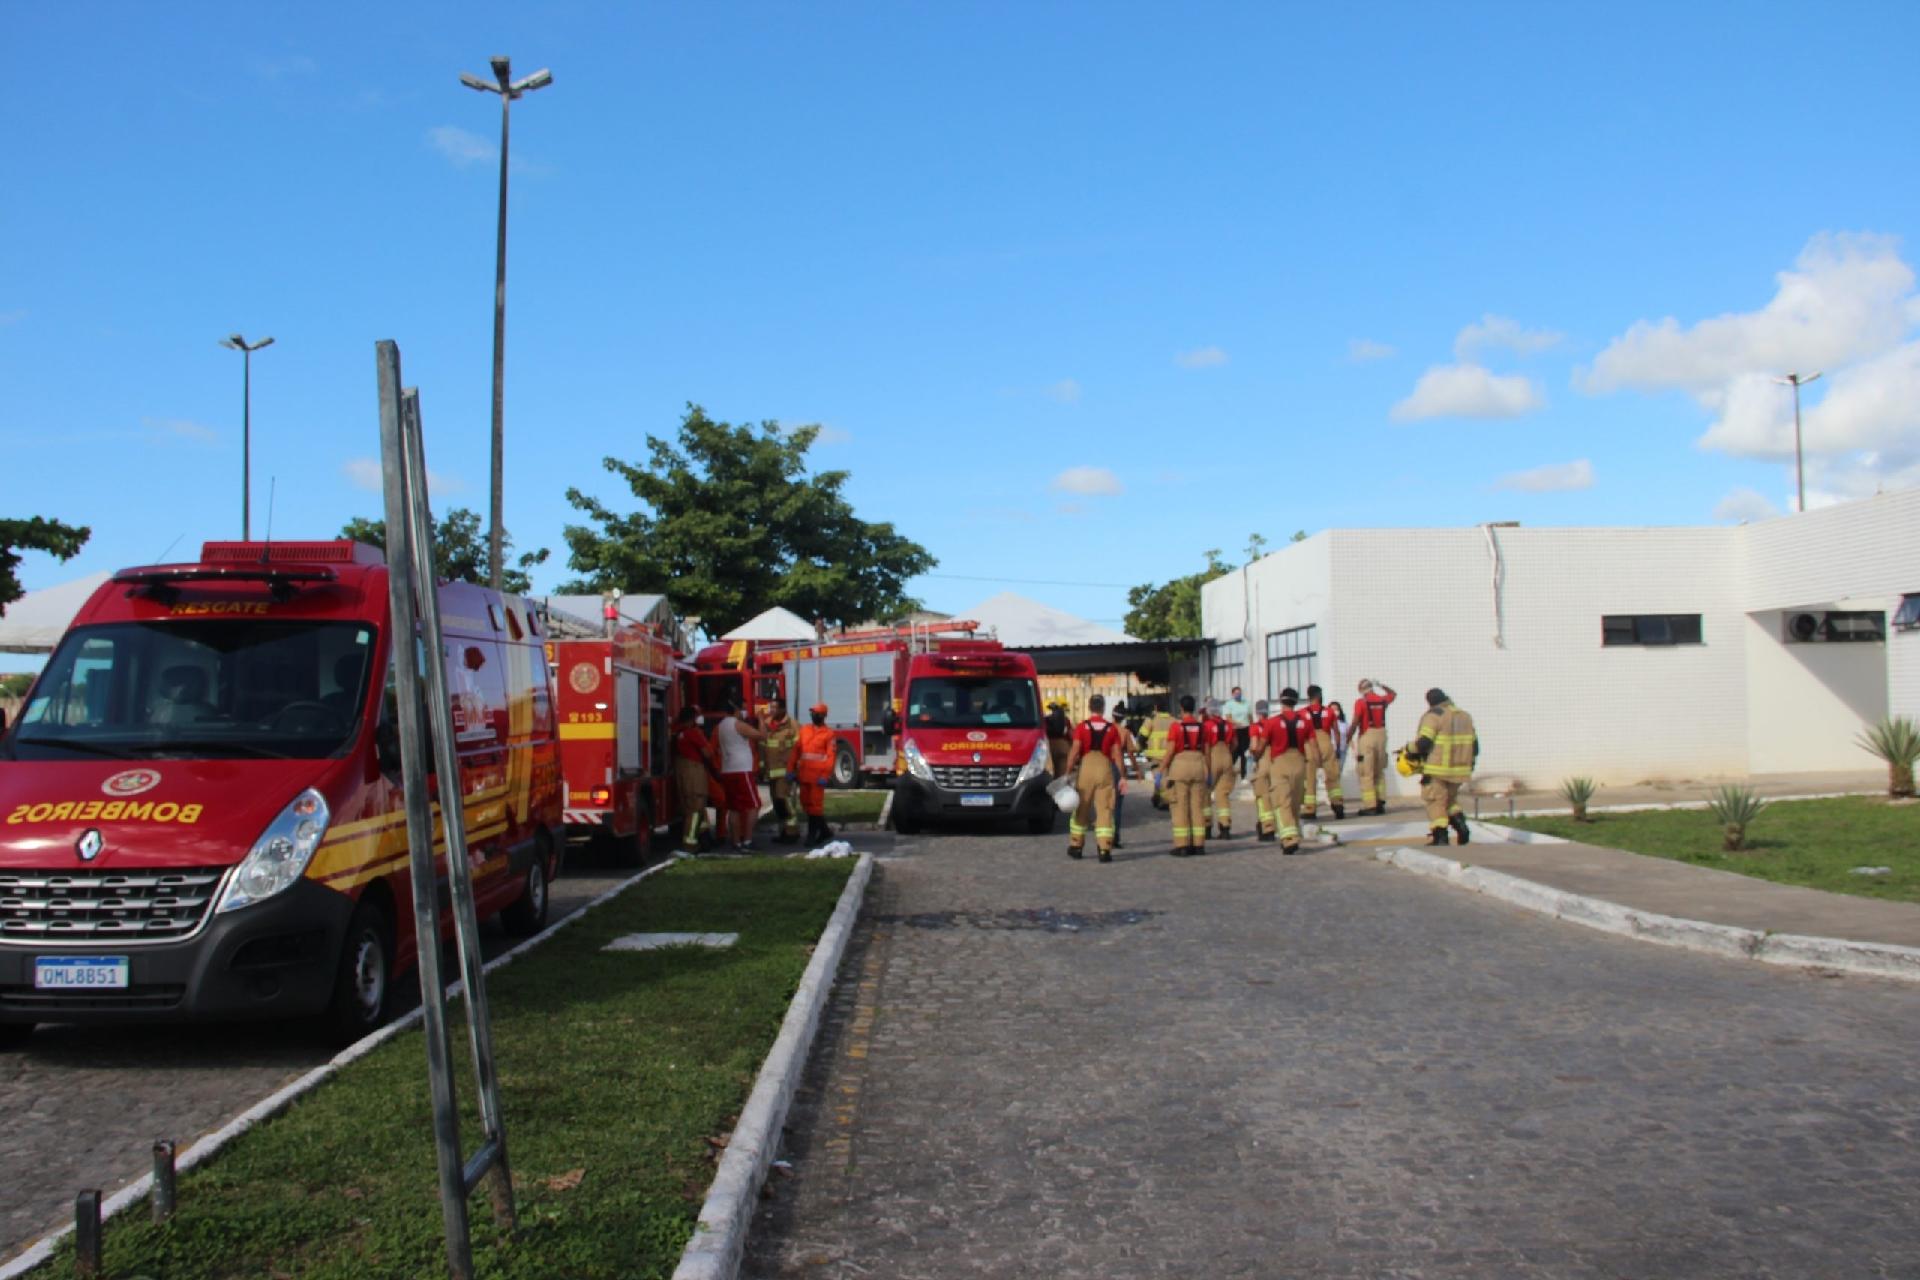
235	342
508	88
1797	381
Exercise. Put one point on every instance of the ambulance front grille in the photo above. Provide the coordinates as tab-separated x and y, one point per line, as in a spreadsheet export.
975	777
82	906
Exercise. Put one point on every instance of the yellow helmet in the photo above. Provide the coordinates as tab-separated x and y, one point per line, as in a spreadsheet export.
1402	764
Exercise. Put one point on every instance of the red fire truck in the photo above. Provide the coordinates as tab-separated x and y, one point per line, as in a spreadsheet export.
617	699
952	716
200	805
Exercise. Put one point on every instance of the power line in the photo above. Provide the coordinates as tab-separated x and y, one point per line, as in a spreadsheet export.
1029	582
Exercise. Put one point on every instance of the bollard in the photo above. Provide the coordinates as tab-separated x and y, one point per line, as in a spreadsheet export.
162	1179
86	1233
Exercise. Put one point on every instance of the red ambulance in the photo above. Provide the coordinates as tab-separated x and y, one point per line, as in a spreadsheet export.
953	716
200	802
618	697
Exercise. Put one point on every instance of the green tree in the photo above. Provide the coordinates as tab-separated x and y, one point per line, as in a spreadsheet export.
15	685
1170	610
1299	535
36	533
459	548
730	523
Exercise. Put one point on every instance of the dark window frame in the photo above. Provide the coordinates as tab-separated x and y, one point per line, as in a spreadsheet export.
1293	659
1650	630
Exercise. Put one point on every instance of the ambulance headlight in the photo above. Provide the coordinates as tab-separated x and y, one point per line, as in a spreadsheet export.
280	856
916	763
1037	764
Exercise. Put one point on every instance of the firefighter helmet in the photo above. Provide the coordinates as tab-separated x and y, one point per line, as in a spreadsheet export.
1403	764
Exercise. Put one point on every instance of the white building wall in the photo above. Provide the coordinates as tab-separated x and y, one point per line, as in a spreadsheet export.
1903	674
1292	587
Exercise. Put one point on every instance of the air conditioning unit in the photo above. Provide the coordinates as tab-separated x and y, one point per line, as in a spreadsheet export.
1802	628
1834	626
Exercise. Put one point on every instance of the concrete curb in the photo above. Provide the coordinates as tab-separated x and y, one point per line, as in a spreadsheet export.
886	812
720	1237
1877	959
273	1104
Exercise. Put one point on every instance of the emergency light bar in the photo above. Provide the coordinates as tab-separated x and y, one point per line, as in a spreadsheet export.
163	580
333	551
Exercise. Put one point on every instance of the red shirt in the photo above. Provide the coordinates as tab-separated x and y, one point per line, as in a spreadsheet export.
1219	731
1370	712
1287	731
1322	717
1185	735
1109	741
691	744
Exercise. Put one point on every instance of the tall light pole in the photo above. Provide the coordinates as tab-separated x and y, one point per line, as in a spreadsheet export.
508	88
1797	381
234	342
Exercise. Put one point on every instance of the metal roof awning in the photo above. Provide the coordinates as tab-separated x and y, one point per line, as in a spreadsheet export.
1097	659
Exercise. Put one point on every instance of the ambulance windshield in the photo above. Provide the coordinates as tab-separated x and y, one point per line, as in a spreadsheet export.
203	689
962	702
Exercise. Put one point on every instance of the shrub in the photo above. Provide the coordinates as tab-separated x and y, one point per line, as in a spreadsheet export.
1578	792
1896	740
1734	807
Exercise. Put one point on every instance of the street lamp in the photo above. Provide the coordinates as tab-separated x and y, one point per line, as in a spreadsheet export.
508	88
1797	381
234	342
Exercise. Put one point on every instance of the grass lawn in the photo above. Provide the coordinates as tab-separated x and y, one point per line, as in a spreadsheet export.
615	1069
855	806
1815	843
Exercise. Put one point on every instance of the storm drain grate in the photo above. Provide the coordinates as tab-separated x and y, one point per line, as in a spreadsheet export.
1048	919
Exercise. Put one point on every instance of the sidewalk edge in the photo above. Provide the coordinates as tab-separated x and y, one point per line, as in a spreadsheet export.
1875	959
720	1237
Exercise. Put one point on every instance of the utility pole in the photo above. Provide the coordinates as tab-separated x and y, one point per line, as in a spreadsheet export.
508	88
1797	381
234	342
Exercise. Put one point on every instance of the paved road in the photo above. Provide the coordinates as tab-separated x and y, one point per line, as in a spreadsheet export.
1245	1065
83	1105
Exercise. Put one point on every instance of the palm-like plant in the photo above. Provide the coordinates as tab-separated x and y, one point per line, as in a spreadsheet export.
1896	740
1578	792
1734	807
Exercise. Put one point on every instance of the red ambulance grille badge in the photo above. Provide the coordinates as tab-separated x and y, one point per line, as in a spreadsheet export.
131	782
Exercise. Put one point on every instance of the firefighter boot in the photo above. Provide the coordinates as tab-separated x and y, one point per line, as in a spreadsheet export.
1073	850
1438	836
1339	811
1379	808
1266	835
1458	822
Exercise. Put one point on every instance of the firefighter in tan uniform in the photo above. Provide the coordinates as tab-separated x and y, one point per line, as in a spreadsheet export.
1289	750
1059	737
1326	733
1257	773
1221	763
777	749
1368	733
1183	773
1096	752
1444	749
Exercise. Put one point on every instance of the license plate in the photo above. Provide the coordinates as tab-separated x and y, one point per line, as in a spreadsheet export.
79	973
977	802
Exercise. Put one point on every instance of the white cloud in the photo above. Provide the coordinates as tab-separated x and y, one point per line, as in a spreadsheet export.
1492	331
1468	391
825	433
1087	480
1743	505
1066	391
461	147
165	430
1558	477
364	473
1201	358
1361	350
1848	297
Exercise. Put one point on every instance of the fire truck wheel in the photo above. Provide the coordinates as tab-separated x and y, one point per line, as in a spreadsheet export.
13	1035
1041	824
528	914
845	772
362	982
907	824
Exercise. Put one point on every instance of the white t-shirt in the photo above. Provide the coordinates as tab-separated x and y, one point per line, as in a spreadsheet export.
736	753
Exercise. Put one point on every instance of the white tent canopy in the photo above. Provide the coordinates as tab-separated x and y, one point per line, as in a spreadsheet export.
1025	624
775	624
35	622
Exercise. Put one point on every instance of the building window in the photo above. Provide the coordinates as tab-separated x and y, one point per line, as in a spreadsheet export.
1293	661
1650	628
1907	616
1869	627
1229	669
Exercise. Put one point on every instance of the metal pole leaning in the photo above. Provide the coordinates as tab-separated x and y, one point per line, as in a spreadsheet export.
492	1156
413	766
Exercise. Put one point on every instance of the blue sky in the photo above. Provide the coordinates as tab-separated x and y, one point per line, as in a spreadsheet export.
1078	291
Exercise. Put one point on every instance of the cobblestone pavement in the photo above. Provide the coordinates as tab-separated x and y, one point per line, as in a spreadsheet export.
1249	1065
83	1105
